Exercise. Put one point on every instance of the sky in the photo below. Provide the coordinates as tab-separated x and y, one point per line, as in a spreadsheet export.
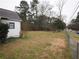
68	8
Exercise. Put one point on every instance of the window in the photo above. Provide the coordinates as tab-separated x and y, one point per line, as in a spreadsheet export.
11	25
3	18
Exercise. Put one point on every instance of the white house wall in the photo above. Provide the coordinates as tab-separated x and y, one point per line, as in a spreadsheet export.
16	31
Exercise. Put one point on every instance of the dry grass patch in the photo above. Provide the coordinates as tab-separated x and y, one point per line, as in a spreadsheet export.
39	45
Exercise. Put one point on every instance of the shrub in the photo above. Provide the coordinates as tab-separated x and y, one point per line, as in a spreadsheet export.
3	32
59	25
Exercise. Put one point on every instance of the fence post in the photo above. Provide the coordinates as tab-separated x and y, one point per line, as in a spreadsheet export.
77	50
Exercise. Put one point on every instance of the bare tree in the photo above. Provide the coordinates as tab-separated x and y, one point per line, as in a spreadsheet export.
60	5
45	8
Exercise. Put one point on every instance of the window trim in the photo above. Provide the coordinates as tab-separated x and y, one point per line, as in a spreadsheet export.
11	25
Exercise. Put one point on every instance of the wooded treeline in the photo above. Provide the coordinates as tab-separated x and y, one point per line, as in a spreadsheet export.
39	16
74	25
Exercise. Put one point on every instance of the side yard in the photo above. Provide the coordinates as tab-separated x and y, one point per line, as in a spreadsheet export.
37	45
74	43
74	35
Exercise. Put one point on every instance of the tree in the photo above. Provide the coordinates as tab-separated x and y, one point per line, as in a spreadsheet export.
72	21
74	25
59	25
45	8
40	12
44	11
60	6
34	4
77	18
23	9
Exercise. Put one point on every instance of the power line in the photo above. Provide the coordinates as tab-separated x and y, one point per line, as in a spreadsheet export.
76	5
76	8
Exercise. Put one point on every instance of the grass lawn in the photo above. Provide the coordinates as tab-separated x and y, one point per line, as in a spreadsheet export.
37	45
74	36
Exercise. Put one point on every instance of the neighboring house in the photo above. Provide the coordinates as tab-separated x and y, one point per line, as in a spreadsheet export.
13	20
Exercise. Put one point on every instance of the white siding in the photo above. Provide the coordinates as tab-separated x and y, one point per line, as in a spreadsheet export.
16	31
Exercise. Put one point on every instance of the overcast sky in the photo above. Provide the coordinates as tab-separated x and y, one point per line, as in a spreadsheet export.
67	10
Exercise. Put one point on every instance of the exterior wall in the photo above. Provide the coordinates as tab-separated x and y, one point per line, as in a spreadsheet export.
17	28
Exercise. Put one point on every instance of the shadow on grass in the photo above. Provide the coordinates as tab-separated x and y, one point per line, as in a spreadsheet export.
14	39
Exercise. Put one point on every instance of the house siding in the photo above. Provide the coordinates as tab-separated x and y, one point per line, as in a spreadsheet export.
17	28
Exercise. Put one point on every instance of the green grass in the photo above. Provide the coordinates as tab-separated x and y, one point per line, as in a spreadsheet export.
2	56
74	35
37	45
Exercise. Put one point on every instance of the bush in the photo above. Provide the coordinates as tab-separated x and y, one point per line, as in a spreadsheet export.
59	25
3	32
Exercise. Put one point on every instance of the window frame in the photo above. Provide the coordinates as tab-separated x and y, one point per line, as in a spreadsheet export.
11	25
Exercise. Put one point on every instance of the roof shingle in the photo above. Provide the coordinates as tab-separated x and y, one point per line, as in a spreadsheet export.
11	15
